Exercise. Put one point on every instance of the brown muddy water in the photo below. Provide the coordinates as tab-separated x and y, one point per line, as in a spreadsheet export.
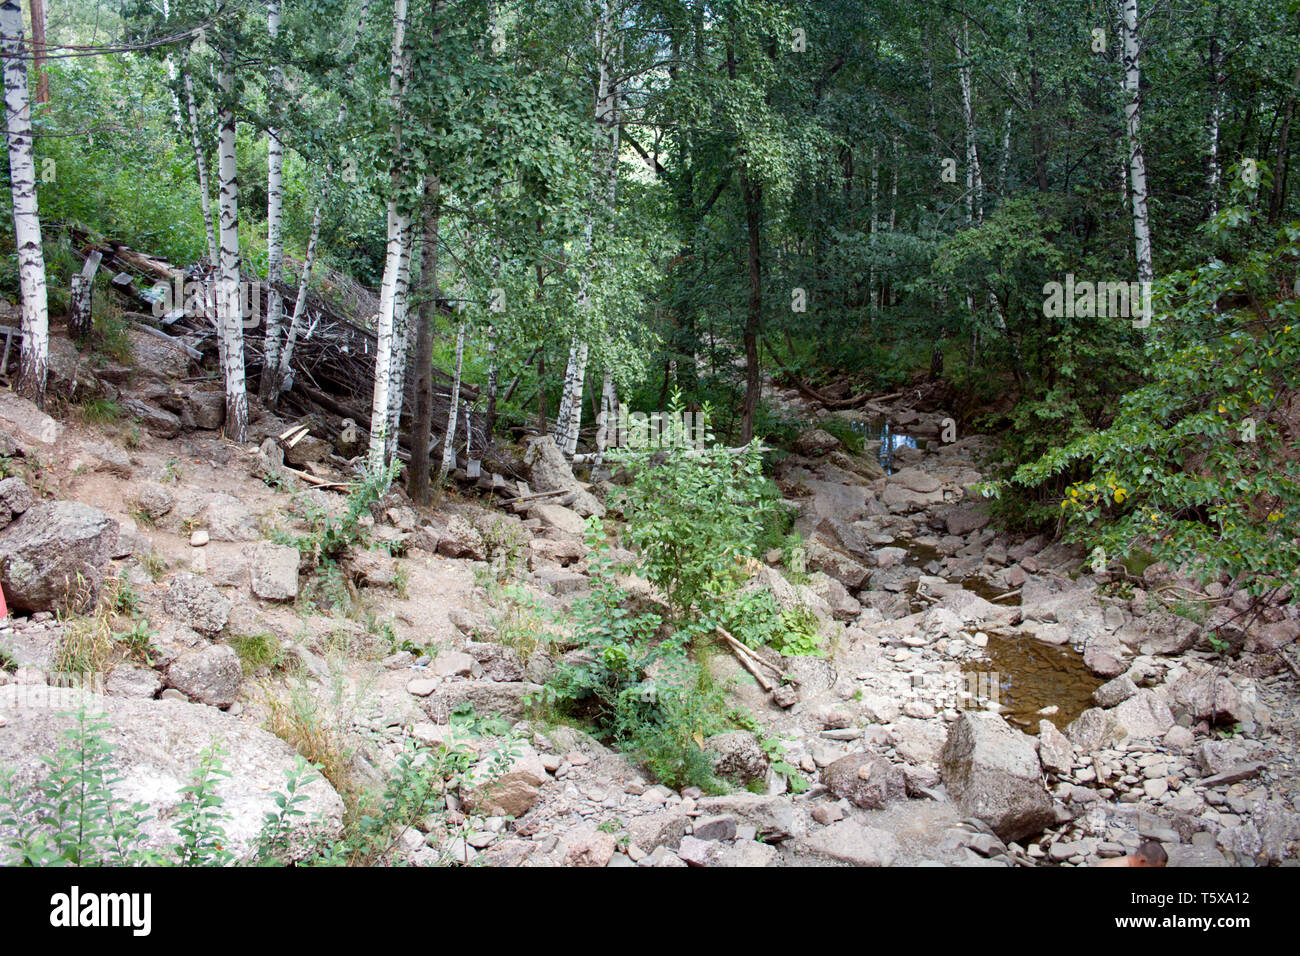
1027	675
1032	676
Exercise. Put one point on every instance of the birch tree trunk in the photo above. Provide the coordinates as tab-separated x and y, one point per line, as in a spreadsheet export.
398	223
444	467
27	224
1131	85
201	169
974	177
274	213
422	428
284	373
401	341
568	420
230	319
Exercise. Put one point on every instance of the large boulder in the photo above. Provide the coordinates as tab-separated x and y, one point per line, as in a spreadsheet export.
1144	715
197	603
866	780
850	842
993	773
815	442
156	748
513	793
53	558
210	675
549	471
1207	695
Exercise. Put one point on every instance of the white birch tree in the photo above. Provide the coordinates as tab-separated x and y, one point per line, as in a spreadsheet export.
27	224
274	211
230	319
1130	59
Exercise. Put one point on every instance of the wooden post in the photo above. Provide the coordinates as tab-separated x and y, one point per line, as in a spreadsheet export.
81	323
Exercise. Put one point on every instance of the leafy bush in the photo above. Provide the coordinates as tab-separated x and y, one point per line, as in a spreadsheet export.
1199	466
695	513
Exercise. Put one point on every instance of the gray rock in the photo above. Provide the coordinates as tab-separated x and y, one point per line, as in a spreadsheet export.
1114	692
866	780
459	539
698	852
993	773
153	500
197	603
15	496
157	745
126	681
738	756
1055	751
210	675
549	471
510	794
274	571
1208	695
157	421
850	842
773	816
54	556
498	662
662	828
721	827
1145	714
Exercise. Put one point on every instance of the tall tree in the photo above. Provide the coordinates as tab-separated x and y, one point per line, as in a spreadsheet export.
27	223
230	317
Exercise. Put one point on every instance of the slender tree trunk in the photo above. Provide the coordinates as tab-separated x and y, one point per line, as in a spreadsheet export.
284	373
422	429
274	213
38	53
1280	166
401	341
753	194
27	224
974	176
1131	85
398	221
1213	172
444	467
201	168
229	312
604	166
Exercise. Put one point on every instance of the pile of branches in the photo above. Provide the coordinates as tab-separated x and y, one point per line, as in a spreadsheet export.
333	362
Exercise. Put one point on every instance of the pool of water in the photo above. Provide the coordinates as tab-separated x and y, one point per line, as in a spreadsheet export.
886	439
1032	676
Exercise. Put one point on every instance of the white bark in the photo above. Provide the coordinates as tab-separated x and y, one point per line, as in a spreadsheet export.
284	375
402	328
274	215
230	318
398	223
1213	170
27	224
1131	85
568	419
974	177
449	438
608	415
201	167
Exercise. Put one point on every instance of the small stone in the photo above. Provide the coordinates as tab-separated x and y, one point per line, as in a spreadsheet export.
199	538
721	827
421	686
